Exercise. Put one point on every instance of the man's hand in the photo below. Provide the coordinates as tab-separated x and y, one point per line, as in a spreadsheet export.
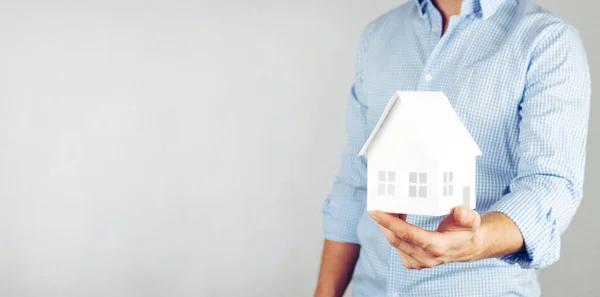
462	236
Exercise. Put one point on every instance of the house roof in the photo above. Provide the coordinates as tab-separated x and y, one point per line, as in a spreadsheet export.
432	121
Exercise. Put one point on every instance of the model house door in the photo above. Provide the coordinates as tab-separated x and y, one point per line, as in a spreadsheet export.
467	197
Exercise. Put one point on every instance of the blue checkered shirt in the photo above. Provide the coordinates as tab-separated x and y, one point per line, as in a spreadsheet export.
518	78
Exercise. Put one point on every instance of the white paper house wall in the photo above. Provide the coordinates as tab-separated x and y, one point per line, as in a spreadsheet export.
421	158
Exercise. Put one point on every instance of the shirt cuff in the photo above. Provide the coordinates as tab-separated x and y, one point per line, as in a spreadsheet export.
341	218
538	227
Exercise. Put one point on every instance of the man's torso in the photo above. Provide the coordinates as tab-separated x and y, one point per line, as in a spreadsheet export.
481	65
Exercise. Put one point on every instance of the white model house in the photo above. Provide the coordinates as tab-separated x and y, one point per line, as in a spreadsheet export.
421	158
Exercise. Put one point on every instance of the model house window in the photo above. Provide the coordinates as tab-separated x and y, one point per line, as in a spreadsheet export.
448	184
417	184
387	183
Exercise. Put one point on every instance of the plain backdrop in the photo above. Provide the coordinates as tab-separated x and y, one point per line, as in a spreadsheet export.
184	148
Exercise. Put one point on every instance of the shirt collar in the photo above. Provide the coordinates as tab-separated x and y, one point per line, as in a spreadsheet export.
421	6
482	8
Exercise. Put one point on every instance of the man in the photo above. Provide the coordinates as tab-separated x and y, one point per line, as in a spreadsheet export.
518	78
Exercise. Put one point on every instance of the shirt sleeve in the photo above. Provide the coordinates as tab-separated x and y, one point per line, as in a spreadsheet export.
550	159
346	201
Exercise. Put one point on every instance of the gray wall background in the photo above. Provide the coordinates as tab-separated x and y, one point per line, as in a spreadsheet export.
183	148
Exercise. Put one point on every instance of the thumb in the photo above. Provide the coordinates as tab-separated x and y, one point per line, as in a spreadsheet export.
465	217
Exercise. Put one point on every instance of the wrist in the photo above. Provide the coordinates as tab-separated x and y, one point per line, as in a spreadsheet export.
484	238
500	236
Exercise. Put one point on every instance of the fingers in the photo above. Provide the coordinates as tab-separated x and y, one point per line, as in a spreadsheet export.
403	249
398	243
412	257
408	261
405	231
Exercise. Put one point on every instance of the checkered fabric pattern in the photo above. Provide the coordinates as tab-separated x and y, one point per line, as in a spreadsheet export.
518	78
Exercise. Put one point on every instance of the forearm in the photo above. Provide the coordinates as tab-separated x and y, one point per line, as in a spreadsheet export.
337	265
499	236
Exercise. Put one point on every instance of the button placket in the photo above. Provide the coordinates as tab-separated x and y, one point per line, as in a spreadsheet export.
435	24
441	42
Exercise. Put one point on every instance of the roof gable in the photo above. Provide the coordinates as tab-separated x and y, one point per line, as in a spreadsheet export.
431	121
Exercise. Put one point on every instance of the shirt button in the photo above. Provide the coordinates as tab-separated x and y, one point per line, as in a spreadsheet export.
396	295
428	77
434	28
